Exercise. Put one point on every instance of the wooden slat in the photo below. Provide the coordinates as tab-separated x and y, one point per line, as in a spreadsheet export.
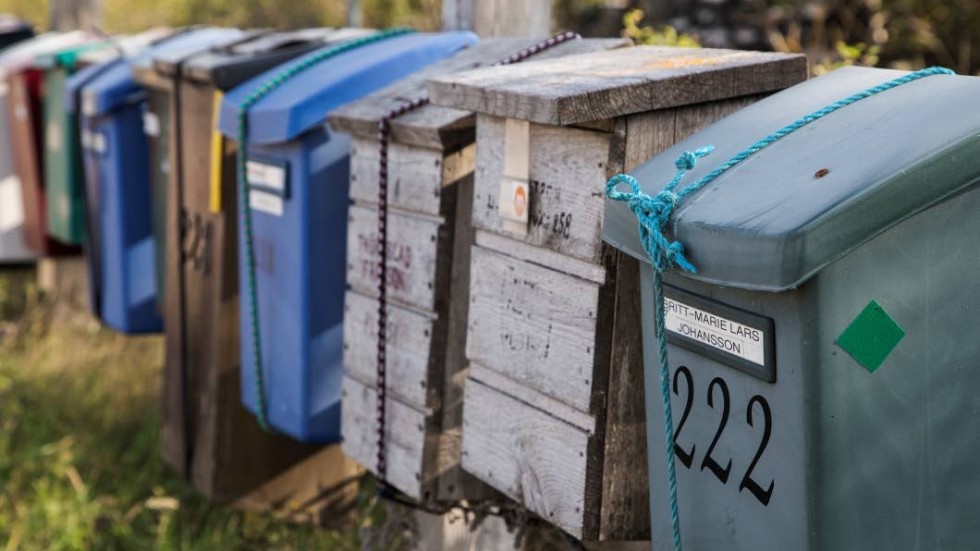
531	397
535	325
434	126
408	347
568	176
508	18
417	175
527	454
541	256
605	85
406	432
413	243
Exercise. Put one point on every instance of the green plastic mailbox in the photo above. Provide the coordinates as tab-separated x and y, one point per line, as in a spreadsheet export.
823	359
63	177
62	156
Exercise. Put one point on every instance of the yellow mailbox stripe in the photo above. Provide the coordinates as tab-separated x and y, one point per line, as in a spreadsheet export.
217	148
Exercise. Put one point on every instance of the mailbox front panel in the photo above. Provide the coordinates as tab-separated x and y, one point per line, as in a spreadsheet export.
300	243
741	442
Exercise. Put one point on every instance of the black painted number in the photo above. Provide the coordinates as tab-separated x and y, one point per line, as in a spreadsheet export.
718	387
709	462
747	482
686	457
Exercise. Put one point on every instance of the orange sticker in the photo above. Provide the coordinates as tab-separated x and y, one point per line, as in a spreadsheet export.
520	201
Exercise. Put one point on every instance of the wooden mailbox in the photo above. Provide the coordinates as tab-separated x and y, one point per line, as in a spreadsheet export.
431	158
553	402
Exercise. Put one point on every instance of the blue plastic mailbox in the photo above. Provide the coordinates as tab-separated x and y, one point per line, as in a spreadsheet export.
298	179
117	181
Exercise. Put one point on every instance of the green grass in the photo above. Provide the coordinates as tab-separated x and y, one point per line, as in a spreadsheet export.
79	457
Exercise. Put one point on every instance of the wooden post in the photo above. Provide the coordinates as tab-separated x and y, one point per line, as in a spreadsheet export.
553	404
68	15
457	15
355	17
497	18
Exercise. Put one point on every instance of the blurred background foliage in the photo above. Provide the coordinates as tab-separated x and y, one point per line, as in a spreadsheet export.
891	33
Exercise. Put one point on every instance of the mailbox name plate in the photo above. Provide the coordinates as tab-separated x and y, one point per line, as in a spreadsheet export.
735	337
271	176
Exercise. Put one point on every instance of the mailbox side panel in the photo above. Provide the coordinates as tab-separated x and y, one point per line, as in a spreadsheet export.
741	474
156	124
897	464
62	178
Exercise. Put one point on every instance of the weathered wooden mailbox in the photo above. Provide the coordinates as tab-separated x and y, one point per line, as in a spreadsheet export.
431	158
823	358
553	407
207	434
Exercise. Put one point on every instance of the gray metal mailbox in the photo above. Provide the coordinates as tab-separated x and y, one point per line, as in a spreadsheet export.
824	358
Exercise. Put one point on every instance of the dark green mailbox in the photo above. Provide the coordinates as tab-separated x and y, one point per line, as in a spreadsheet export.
823	358
63	179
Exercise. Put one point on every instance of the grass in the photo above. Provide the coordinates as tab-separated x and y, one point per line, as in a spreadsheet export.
79	459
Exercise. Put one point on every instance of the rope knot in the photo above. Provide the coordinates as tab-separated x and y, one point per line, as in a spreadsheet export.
653	214
686	161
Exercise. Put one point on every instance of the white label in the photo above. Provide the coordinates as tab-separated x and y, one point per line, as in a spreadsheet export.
4	89
88	104
53	135
270	176
513	199
513	203
265	202
20	112
715	331
151	124
93	141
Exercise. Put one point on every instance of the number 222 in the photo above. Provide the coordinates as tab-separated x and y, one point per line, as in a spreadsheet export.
722	473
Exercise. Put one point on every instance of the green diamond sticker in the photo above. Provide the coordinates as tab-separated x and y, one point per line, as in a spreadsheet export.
871	337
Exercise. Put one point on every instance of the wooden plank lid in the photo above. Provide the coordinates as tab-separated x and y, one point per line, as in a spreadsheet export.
444	127
603	85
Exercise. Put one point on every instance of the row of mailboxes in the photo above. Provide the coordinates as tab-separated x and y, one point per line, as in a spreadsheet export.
143	141
819	359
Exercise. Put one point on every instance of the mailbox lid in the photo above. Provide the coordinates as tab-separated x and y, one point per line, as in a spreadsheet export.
116	85
68	57
21	56
13	30
436	126
226	67
775	220
304	101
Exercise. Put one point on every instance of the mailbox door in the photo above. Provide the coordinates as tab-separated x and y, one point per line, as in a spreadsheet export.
741	441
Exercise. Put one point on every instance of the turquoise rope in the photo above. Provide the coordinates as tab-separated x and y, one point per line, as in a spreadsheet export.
246	209
653	214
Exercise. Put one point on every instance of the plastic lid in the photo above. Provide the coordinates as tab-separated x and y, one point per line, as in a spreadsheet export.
115	84
305	100
20	57
800	204
228	67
